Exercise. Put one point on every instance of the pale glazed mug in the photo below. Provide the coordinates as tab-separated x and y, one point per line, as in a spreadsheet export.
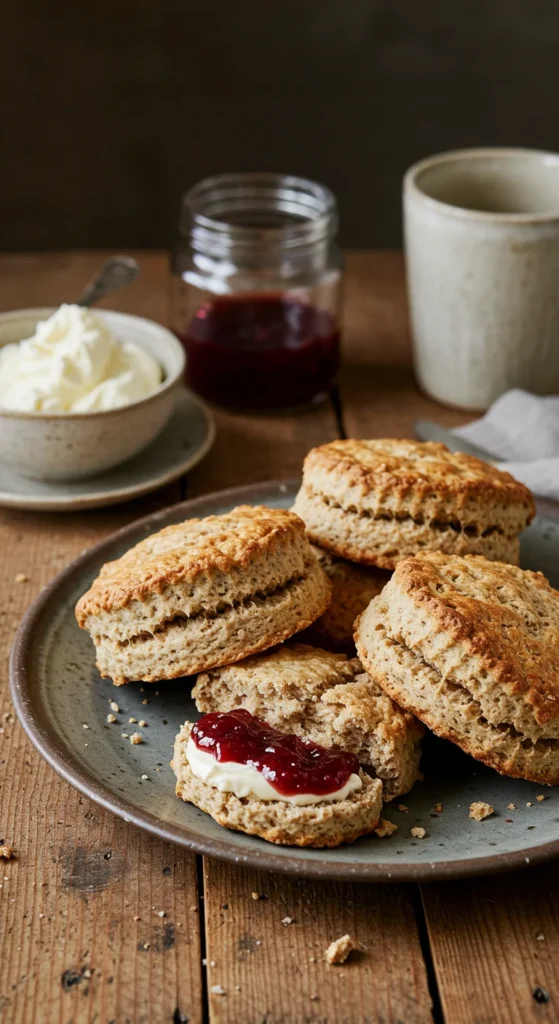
482	256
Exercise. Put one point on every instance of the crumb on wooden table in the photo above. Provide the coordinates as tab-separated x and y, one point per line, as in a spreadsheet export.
136	738
217	990
385	828
286	920
480	810
20	577
339	950
7	852
417	832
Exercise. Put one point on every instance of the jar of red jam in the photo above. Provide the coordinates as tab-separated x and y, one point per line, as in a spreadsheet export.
256	290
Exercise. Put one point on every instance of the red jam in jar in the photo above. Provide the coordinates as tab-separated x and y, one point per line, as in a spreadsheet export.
289	764
261	351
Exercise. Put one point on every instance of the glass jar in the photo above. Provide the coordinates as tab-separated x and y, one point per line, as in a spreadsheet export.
256	290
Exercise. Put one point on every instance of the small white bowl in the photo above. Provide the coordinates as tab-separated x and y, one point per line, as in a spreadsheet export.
70	446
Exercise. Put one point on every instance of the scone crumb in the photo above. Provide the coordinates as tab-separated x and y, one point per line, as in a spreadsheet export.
540	937
7	852
136	738
417	832
540	797
114	707
404	808
142	724
438	808
145	701
287	920
339	950
217	990
111	718
255	895
132	721
20	577
529	803
385	828
511	807
480	810
144	778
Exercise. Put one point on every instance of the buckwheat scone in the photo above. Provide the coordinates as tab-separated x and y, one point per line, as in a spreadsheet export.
472	648
353	586
378	501
203	593
314	825
326	698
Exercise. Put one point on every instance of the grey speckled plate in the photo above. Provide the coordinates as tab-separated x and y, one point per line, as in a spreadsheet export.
185	440
57	691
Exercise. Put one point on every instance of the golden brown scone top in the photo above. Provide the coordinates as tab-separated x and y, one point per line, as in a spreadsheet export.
185	551
505	617
403	465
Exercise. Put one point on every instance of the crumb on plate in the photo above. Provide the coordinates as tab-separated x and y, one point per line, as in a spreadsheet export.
385	828
480	810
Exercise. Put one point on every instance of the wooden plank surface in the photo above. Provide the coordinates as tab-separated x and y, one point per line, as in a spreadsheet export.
71	947
495	945
266	936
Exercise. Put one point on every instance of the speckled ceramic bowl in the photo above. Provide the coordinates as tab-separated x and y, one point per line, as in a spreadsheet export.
76	445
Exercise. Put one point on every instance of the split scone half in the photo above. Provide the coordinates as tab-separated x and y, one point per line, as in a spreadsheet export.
379	501
472	648
324	824
326	698
353	586
203	593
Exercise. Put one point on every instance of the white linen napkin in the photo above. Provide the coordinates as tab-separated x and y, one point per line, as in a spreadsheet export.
523	430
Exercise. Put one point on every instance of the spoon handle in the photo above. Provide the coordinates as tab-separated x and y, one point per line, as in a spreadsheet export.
115	273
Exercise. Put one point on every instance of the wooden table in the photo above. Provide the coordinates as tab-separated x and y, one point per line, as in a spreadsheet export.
80	935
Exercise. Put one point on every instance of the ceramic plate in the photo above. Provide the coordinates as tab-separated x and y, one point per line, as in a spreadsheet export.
186	439
57	693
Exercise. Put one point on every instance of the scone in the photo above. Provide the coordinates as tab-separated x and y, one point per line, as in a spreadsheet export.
322	824
326	698
203	593
353	586
378	501
472	648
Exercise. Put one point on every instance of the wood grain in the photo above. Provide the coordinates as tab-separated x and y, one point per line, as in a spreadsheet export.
89	875
380	396
495	945
267	954
70	944
71	949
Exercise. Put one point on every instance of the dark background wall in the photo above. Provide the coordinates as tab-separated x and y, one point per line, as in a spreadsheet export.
113	108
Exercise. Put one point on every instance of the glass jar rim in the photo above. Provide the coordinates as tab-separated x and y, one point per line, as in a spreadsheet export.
258	209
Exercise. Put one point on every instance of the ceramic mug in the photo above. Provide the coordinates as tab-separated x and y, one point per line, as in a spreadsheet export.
482	256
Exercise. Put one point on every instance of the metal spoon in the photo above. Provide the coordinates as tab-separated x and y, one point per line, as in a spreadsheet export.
115	273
